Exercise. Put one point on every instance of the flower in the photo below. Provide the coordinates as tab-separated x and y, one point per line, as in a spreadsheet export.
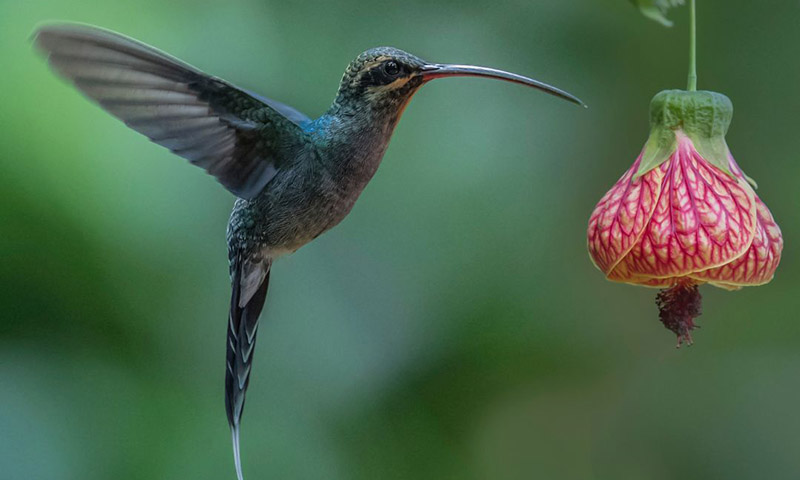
685	213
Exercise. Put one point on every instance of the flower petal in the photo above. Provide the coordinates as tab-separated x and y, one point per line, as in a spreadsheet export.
704	218
620	217
757	266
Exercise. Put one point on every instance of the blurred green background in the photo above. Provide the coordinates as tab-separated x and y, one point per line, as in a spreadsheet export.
453	326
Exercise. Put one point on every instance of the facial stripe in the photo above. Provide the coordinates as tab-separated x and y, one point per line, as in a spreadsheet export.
395	85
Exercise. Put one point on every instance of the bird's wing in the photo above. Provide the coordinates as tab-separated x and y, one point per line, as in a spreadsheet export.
231	133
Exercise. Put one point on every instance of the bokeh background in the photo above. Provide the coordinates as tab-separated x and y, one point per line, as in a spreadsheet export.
453	326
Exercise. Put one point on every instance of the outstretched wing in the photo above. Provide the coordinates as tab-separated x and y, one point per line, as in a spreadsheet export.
231	133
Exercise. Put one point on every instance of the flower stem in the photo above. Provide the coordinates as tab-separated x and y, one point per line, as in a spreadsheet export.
692	47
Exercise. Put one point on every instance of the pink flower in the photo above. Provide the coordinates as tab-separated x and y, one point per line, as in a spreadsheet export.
685	213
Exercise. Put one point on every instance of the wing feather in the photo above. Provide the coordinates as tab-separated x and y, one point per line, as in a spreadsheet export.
231	133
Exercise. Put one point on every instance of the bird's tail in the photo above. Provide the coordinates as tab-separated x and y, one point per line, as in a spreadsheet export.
249	290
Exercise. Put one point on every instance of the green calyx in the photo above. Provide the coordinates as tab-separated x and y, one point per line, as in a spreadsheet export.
703	116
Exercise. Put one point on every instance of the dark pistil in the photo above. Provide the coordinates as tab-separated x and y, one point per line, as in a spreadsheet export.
678	306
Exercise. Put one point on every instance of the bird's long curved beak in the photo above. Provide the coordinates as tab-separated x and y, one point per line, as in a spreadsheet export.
441	70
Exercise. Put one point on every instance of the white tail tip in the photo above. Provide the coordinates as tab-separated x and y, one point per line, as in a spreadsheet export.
236	456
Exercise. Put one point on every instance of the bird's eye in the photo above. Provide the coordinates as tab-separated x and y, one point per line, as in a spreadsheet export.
391	68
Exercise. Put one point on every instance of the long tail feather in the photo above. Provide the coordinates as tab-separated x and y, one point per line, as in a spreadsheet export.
236	456
242	329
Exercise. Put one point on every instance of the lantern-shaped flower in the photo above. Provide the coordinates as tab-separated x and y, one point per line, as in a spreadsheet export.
685	214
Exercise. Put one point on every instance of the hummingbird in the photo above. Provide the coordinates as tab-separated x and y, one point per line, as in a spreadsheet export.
294	178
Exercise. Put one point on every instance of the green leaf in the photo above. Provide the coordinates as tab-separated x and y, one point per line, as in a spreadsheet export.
659	147
713	150
656	9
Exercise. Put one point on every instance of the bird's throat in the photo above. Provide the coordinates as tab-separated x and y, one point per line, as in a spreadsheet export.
353	143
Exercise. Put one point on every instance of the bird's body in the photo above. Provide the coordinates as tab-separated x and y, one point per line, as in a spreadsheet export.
331	166
294	178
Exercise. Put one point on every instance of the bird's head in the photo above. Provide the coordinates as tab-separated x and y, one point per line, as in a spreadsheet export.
384	79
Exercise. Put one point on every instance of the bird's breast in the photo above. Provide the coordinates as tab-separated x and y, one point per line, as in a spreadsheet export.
296	207
312	195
